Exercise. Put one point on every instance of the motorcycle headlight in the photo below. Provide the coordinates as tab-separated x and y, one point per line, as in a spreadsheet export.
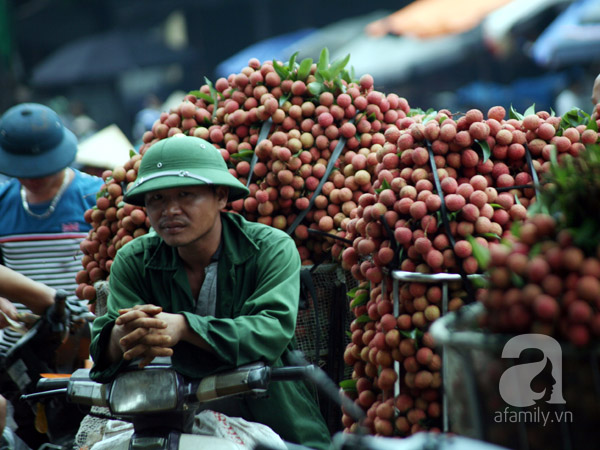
144	391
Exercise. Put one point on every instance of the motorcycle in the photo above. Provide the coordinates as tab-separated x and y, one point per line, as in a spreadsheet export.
161	404
53	343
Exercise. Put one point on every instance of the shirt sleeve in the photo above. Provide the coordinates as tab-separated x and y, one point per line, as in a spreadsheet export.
264	324
125	291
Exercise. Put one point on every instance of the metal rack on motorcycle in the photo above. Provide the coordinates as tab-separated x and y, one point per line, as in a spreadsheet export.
478	372
445	280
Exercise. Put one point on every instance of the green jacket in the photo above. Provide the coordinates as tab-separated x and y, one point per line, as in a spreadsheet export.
258	286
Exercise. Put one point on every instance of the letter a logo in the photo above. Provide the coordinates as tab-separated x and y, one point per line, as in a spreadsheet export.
515	382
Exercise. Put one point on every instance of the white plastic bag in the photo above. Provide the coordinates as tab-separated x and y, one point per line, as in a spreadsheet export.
116	436
244	433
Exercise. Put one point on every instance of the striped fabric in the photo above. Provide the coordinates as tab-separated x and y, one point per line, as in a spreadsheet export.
52	259
46	250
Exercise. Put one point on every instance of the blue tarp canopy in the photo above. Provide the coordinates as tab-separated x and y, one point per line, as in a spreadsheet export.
273	48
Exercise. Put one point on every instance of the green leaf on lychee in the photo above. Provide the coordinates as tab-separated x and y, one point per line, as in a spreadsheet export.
349	75
207	98
429	116
553	156
315	88
352	292
349	334
281	70
592	125
244	155
496	206
304	69
384	185
515	229
485	149
323	63
132	153
359	300
214	95
292	62
517	201
573	118
325	74
415	334
480	253
337	83
348	385
479	282
529	111
338	65
516	280
490	235
513	114
535	250
363	319
284	98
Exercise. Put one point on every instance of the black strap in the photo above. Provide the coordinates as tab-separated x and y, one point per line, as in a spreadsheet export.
332	160
264	132
444	212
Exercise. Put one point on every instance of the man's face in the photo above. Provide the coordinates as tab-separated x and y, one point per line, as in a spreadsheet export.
186	215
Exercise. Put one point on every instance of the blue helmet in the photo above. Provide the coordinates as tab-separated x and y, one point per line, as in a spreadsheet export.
34	143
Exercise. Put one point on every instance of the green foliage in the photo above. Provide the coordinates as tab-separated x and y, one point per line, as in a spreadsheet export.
214	95
360	299
513	114
575	117
243	155
348	385
485	149
529	111
572	195
198	94
419	112
384	185
329	75
480	253
414	334
363	319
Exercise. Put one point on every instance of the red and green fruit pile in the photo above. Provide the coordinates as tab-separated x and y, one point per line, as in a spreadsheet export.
396	368
326	156
546	279
419	220
277	127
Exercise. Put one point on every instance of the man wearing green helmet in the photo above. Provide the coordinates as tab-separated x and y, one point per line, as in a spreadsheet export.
206	288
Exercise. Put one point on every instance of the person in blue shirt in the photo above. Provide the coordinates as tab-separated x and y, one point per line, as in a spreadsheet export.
43	204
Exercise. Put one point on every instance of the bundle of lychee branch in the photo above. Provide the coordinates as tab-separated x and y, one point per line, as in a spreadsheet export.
445	192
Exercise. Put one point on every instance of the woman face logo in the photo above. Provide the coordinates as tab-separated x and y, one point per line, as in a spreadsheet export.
515	382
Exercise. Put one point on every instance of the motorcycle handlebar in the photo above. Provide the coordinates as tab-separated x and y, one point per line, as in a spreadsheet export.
48	384
291	373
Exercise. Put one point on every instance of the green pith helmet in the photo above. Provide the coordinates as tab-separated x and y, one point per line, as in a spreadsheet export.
182	161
